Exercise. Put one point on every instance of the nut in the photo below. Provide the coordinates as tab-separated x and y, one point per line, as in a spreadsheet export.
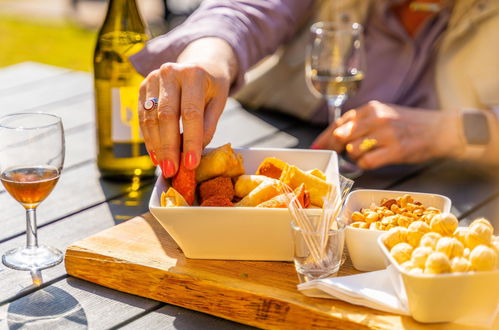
360	224
357	216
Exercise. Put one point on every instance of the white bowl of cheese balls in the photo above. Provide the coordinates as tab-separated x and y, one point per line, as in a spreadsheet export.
444	272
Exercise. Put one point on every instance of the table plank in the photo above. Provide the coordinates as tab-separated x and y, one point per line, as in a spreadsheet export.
73	303
27	73
489	210
172	317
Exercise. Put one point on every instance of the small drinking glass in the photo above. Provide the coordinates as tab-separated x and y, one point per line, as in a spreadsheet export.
321	262
31	160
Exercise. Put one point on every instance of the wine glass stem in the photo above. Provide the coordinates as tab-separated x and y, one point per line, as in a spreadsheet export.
334	107
31	237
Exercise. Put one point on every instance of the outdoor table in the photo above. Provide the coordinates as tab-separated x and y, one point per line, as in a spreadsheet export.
83	204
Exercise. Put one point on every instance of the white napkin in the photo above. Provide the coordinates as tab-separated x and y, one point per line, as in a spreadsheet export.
374	290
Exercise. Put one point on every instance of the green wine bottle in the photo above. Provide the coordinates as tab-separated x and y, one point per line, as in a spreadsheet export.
121	150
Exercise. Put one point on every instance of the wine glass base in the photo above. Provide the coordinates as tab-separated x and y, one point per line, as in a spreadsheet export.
25	258
349	169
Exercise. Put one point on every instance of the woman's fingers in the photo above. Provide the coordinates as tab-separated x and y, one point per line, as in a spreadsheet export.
168	117
192	104
378	157
212	114
148	118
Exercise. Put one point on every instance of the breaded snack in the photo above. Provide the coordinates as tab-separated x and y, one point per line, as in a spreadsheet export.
265	191
246	183
220	186
318	173
217	201
172	198
222	161
279	201
185	182
294	177
271	167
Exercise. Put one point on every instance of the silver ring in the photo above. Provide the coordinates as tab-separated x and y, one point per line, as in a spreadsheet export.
150	103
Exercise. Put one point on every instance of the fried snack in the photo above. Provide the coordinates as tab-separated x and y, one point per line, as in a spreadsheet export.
396	212
185	182
172	198
271	167
478	233
217	201
220	186
450	246
246	183
294	177
318	173
279	201
437	263
444	223
401	252
483	258
265	191
222	161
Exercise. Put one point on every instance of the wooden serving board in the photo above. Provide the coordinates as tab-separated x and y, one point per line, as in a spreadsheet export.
139	257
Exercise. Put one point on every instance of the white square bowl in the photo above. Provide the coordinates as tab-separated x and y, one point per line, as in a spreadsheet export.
362	243
240	233
463	297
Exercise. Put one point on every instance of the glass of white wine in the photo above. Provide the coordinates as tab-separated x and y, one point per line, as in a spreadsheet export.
335	67
31	160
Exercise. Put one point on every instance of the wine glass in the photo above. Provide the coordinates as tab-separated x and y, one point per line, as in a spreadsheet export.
31	160
335	67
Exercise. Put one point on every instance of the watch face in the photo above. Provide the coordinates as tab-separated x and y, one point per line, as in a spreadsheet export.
476	128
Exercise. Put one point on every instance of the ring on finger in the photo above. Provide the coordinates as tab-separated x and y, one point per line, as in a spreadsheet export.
368	144
150	103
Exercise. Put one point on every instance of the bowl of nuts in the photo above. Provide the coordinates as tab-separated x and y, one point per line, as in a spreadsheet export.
449	273
370	213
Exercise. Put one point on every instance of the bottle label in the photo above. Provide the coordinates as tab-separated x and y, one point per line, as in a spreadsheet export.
125	131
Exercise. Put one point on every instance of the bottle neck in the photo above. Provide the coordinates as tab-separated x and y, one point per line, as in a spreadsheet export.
123	15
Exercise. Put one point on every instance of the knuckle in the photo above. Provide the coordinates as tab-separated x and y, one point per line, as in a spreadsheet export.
150	122
191	112
167	114
373	103
167	149
167	68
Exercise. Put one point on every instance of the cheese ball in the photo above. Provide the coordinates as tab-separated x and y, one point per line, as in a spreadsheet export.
478	233
460	234
401	252
415	231
483	258
450	246
430	240
444	223
482	221
437	263
394	236
460	265
419	256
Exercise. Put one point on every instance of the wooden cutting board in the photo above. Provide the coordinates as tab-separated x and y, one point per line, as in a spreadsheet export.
139	257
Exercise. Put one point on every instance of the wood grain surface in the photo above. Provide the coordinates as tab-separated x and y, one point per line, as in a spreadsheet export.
139	257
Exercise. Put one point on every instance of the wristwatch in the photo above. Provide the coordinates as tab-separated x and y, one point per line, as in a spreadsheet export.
476	132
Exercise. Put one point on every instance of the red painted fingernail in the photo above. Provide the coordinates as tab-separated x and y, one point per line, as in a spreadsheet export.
190	160
314	146
152	154
167	168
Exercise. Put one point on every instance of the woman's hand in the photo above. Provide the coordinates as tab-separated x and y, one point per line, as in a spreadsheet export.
400	135
193	90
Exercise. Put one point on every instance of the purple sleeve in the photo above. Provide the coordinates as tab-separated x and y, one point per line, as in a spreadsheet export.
253	28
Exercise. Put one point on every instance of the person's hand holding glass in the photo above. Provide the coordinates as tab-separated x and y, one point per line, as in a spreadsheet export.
335	68
31	160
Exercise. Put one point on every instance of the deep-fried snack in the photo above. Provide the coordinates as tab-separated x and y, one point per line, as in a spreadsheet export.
222	161
294	177
265	191
279	201
219	201
271	167
185	182
220	186
246	183
318	173
172	198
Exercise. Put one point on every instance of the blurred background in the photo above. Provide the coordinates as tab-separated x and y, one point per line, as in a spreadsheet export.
63	32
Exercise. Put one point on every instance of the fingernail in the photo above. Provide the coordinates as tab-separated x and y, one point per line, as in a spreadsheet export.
190	160
341	131
167	168
152	154
314	146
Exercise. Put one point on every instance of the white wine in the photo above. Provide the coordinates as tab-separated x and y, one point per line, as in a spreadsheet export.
121	149
330	84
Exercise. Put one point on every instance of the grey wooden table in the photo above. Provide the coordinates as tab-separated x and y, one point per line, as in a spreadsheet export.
82	204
